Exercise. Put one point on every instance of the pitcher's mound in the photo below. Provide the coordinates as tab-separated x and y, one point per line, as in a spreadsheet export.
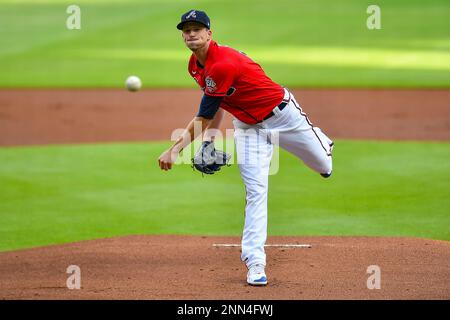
191	267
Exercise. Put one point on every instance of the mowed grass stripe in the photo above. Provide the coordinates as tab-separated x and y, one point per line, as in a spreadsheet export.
57	194
299	43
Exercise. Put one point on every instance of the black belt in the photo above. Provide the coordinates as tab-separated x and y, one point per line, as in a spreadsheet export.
280	107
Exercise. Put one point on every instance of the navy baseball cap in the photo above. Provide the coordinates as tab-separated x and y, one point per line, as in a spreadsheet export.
194	16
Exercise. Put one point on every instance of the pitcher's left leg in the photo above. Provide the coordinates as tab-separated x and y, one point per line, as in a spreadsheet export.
297	135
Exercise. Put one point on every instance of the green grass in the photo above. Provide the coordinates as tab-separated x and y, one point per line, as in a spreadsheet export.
318	43
57	194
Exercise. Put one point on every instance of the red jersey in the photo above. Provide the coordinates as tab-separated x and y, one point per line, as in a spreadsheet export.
249	94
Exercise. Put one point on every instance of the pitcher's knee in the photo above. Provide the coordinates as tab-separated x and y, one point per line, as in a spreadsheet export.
256	197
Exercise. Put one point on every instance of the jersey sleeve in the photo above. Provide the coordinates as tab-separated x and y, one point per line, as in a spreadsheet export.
219	79
209	106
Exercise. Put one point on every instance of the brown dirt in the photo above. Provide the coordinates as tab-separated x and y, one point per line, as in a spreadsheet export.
53	116
189	267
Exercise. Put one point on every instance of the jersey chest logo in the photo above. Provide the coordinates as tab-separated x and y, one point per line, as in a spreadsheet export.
210	84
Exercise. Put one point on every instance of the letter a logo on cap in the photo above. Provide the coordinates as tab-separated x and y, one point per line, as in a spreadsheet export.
191	14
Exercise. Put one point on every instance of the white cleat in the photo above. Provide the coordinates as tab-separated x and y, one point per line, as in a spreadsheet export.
256	275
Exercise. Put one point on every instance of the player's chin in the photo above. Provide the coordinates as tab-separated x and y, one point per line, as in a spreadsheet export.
192	45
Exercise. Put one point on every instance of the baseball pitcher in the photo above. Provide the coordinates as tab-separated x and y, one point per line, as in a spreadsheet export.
264	113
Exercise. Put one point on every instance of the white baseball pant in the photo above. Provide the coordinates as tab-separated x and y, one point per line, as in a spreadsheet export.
291	130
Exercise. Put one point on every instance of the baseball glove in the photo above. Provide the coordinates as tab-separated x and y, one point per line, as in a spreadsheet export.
208	160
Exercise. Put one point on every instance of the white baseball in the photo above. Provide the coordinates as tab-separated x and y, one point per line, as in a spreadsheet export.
133	83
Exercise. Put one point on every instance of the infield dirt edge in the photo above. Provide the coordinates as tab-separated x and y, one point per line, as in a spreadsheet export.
188	267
